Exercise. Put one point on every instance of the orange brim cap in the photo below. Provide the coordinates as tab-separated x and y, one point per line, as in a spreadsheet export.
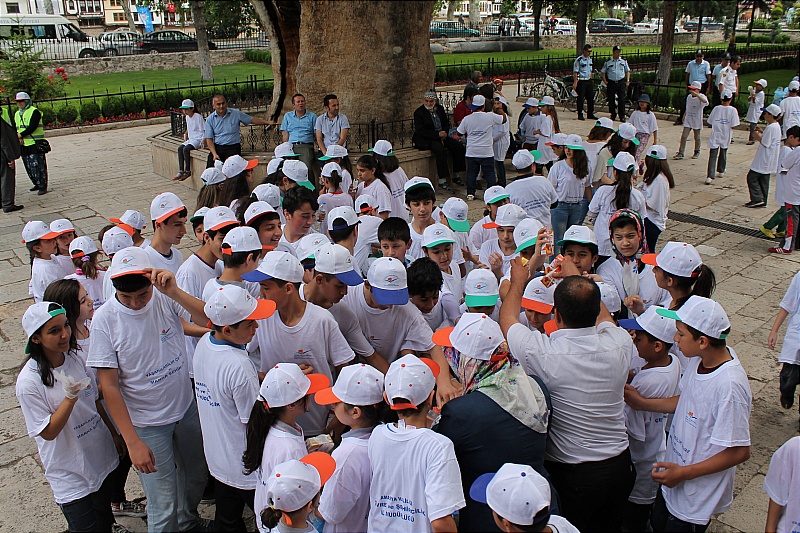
165	216
318	382
116	220
401	406
326	397
433	365
127	273
550	326
77	254
124	227
650	259
264	309
223	224
252	163
441	337
491	225
323	462
535	305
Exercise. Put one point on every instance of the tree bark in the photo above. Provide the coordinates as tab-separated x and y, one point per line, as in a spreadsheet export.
752	21
700	24
537	12
668	39
126	8
474	13
451	9
732	43
204	54
580	37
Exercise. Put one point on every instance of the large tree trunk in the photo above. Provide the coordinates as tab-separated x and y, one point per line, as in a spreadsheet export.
537	24
752	21
700	24
126	8
732	43
580	37
204	54
665	64
451	9
474	13
401	66
281	21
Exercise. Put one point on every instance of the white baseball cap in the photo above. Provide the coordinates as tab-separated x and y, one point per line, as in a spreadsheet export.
131	260
507	215
61	226
199	215
231	304
494	194
660	327
658	151
478	101
285	383
273	164
538	297
278	265
81	246
308	244
417	181
130	220
330	168
236	164
558	139
382	148
295	483
624	162
481	288
368	200
609	296
547	100
345	212
516	492
476	336
580	234
388	281
794	85
212	176
297	171
22	96
255	210
37	316
410	378
761	82
335	259
773	110
187	104
526	232
241	239
523	159
116	239
455	210
703	314
574	142
164	206
268	192
695	85
676	258
605	122
219	217
357	384
437	234
727	94
334	151
628	132
531	102
284	150
35	230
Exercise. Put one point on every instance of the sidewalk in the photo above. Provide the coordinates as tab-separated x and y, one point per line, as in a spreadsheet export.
95	176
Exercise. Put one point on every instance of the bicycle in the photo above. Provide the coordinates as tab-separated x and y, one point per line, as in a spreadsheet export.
557	89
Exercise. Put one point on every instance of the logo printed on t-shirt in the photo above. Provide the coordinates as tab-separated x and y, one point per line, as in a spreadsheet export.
167	334
691	419
303	354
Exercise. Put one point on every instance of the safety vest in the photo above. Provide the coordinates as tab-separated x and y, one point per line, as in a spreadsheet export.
4	114
23	119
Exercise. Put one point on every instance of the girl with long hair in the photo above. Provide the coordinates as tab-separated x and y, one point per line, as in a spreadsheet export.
84	254
372	181
657	182
570	178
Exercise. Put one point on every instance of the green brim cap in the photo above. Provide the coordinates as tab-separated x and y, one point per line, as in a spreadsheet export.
501	197
53	313
458	225
669	313
575	147
526	244
194	220
635	141
562	242
440	241
536	154
321	158
389	154
307	184
481	301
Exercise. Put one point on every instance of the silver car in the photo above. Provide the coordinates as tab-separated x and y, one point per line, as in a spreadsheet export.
118	43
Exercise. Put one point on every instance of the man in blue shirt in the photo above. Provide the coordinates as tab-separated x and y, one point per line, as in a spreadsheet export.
223	136
697	70
297	127
582	84
617	75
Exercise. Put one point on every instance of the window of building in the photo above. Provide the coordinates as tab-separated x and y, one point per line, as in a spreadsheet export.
12	7
119	17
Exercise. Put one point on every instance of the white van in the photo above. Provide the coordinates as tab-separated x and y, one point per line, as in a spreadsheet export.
54	35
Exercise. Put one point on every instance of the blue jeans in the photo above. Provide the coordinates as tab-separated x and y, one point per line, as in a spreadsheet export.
174	492
92	512
479	164
562	217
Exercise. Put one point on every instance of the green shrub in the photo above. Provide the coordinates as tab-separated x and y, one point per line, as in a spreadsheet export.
112	107
677	99
131	104
90	111
258	56
760	38
48	116
67	114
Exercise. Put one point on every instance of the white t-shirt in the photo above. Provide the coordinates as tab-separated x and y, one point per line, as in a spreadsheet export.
348	325
501	140
535	194
592	149
646	429
345	501
790	106
693	118
528	125
426	488
478	129
713	414
649	291
768	150
546	127
791	181
603	207
727	77
780	177
601	166
316	341
559	524
214	284
722	119
389	331
43	273
790	351
226	386
283	443
782	484
148	350
380	192
80	458
415	251
367	236
491	246
570	189
754	110
453	283
397	180
332	200
93	287
192	277
171	263
196	129
66	264
656	197
479	235
644	122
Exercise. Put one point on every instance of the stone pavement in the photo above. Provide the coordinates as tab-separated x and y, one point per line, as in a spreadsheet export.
95	176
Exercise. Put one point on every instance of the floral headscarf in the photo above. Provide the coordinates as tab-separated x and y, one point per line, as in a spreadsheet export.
636	218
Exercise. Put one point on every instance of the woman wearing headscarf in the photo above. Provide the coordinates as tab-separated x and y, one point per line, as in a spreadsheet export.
501	416
30	129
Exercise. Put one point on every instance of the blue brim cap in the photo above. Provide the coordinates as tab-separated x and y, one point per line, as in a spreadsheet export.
350	278
256	276
474	107
478	489
630	323
387	297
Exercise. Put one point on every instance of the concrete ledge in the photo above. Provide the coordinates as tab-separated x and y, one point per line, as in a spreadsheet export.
58	132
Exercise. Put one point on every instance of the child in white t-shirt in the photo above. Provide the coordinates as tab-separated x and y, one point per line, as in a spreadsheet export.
395	177
357	401
437	244
373	182
453	214
84	253
655	186
498	252
776	225
781	484
273	435
133	222
421	202
693	119
530	237
765	161
112	239
241	250
790	351
494	198
756	100
333	196
41	245
439	308
65	234
427	489
646	126
723	119
169	217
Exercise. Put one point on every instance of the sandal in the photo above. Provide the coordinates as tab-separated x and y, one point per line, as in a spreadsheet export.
185	175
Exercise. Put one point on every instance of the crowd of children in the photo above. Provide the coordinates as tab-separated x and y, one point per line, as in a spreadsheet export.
297	363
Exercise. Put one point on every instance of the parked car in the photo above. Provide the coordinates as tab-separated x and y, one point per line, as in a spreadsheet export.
53	36
654	26
163	41
118	43
708	24
565	27
609	26
451	28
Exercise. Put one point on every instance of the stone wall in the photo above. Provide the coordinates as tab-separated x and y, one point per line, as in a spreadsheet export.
135	63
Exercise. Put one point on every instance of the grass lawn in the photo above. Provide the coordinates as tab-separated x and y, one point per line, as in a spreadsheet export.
775	79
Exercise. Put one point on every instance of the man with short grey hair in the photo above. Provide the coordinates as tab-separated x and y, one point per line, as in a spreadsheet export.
431	129
474	80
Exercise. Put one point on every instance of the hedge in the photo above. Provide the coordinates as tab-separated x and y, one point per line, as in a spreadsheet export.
258	56
761	38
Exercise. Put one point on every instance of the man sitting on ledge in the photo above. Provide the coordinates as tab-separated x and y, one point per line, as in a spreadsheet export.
431	127
223	136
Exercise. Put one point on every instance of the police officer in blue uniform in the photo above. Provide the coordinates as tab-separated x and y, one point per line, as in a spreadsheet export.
617	75
582	84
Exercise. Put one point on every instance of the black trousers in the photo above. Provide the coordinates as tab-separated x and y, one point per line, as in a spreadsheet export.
616	98
230	503
585	92
442	149
8	182
703	89
593	494
184	157
92	512
662	520
224	151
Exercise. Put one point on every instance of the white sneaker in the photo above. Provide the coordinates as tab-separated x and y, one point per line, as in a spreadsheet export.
720	174
709	181
470	197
